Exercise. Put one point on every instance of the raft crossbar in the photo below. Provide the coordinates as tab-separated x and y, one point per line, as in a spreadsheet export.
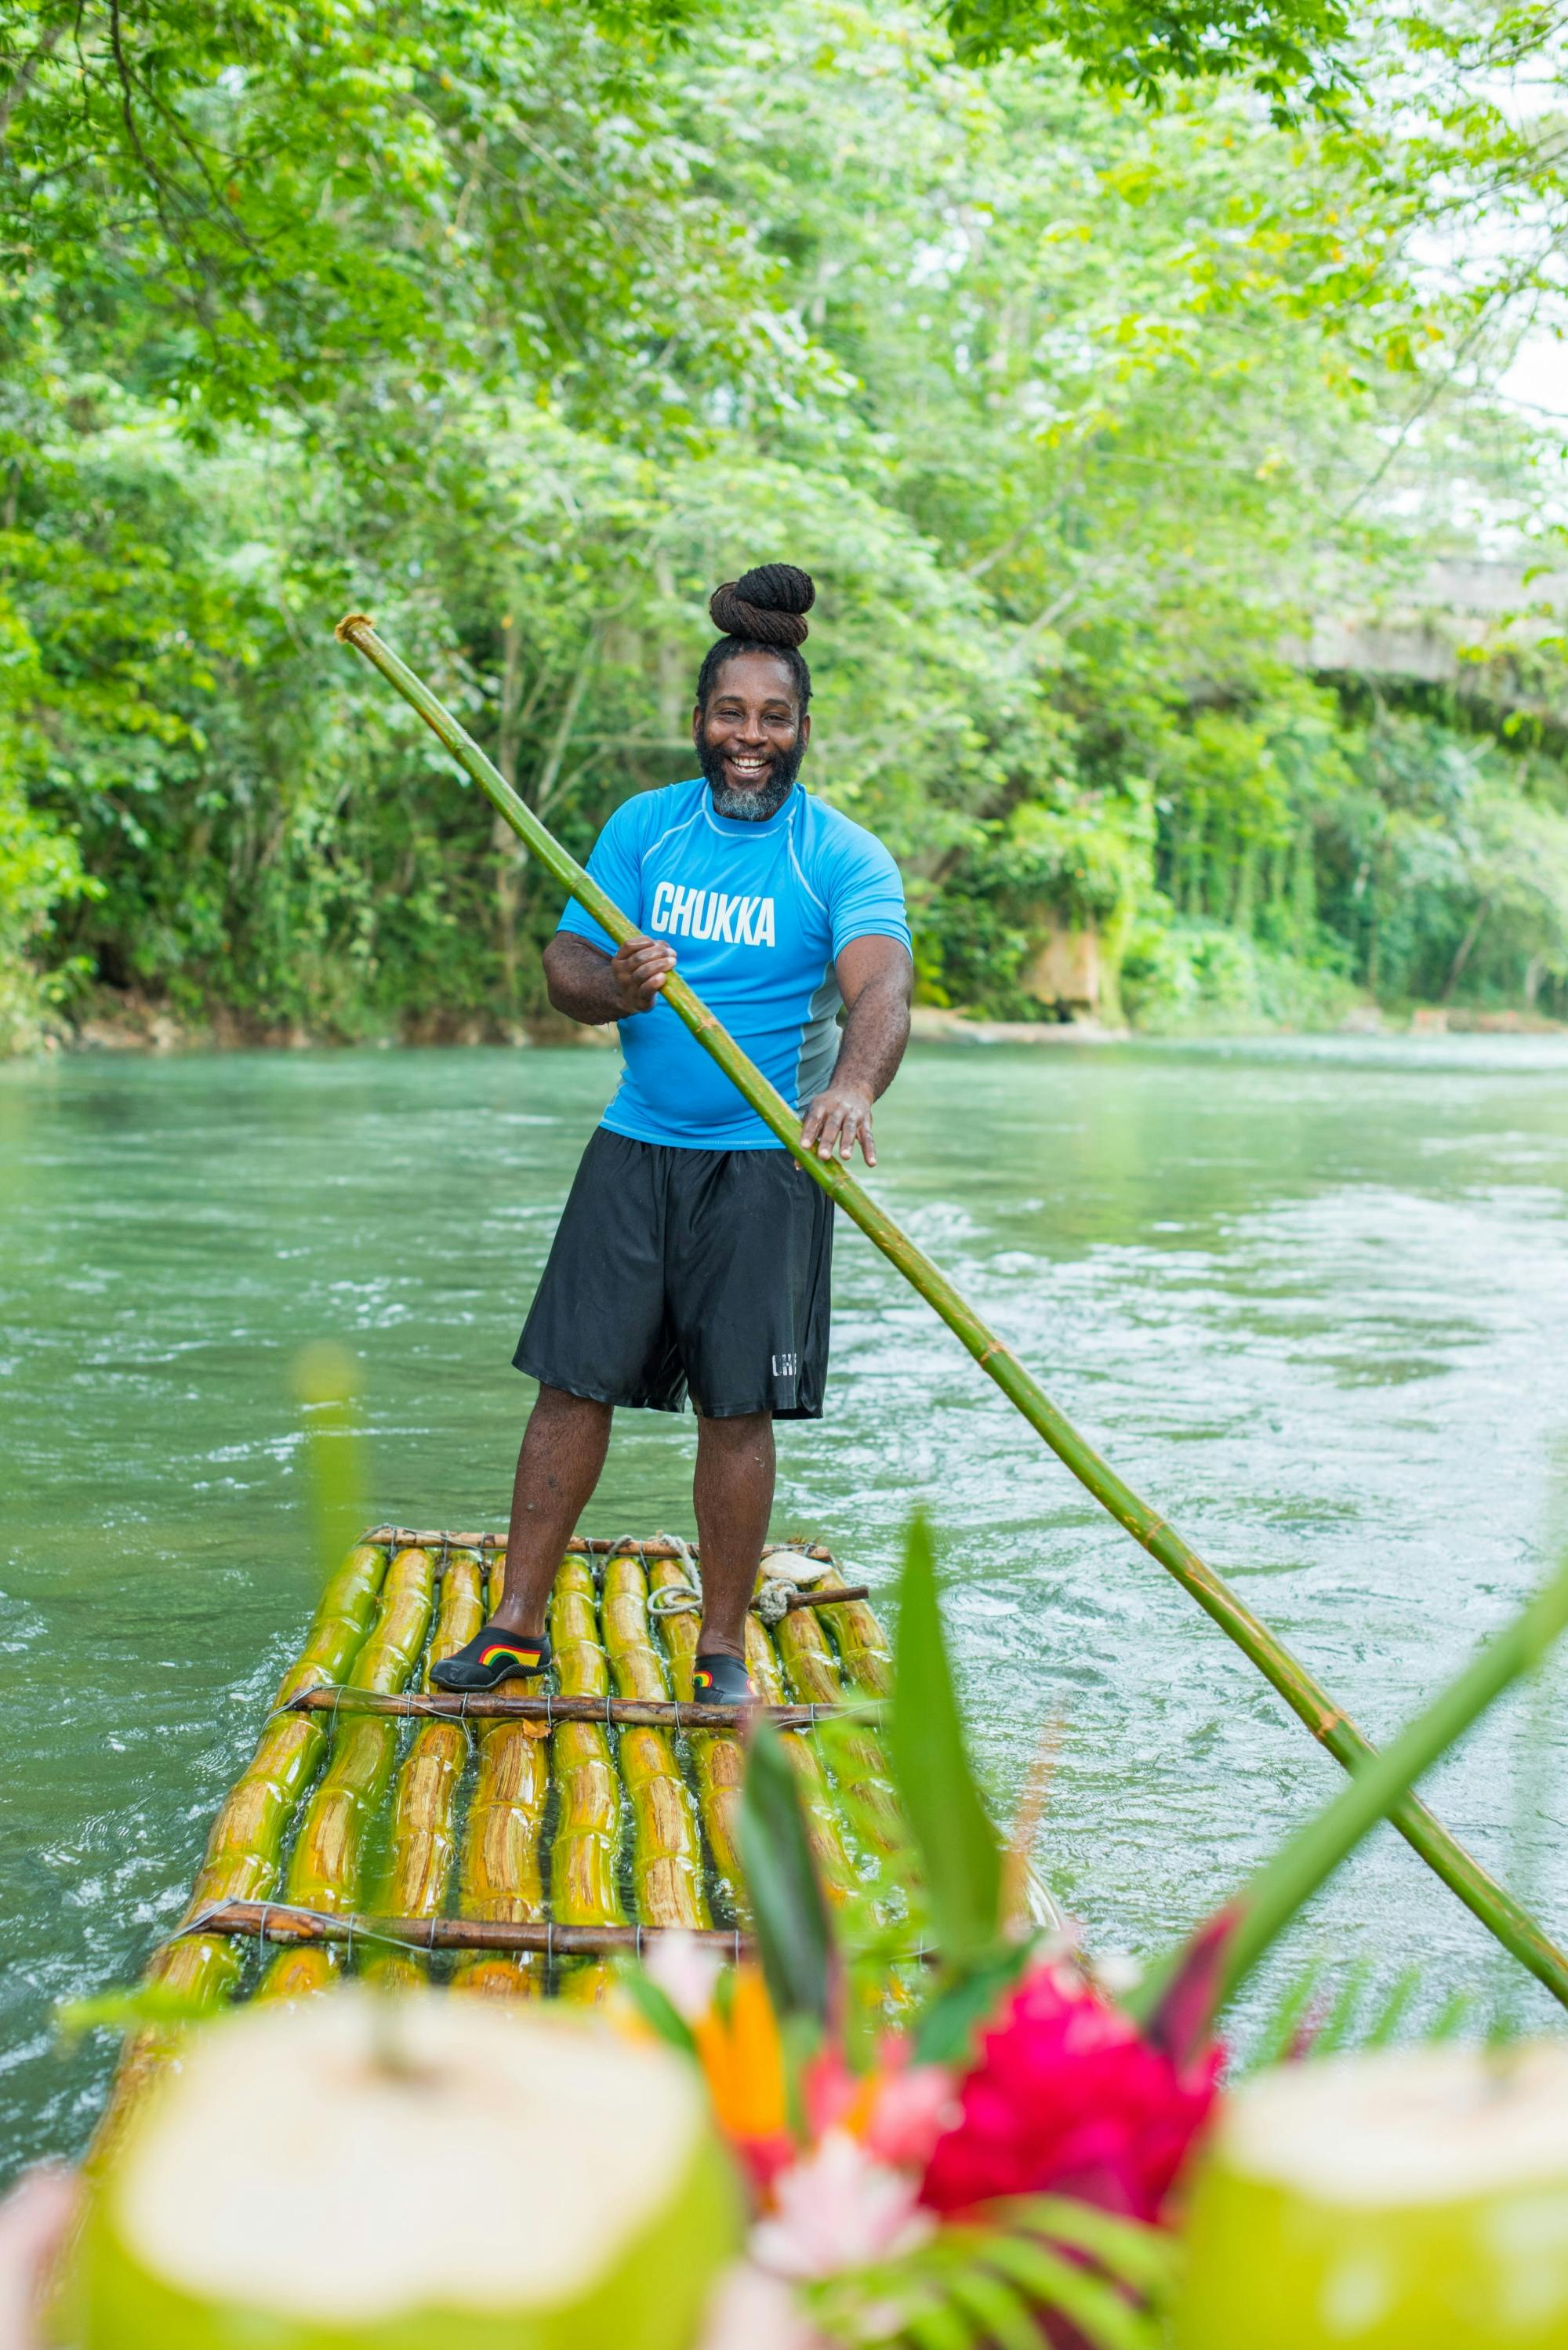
837	1595
834	1596
649	1713
284	1921
584	1545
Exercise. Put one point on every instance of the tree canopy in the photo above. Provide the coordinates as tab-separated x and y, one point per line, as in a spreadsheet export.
1082	356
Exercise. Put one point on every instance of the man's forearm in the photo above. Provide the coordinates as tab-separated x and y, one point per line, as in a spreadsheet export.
876	1031
580	981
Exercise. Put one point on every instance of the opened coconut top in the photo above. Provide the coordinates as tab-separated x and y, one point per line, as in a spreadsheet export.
1405	2126
349	2156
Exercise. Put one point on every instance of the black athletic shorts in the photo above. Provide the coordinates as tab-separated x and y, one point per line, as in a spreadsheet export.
686	1272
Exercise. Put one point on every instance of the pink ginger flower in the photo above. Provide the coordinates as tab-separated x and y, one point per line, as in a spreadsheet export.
751	2309
911	2105
898	2111
838	2209
1068	2098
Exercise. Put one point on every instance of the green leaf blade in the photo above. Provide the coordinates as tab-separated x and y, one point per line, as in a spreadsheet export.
960	1852
795	1938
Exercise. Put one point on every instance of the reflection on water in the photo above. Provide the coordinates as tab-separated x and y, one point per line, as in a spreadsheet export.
1309	1296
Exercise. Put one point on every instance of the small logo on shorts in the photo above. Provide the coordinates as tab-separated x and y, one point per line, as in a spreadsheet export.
786	1367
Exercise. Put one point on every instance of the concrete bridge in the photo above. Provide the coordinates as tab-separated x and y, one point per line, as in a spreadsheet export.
1470	625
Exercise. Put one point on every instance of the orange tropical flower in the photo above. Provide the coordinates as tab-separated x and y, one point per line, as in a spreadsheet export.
743	2058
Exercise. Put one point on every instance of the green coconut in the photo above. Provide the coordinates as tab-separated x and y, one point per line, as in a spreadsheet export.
1411	2200
363	2172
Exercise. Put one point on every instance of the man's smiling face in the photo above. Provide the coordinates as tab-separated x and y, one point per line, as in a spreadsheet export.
751	736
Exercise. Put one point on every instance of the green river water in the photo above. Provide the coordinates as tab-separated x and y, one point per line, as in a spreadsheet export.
1309	1296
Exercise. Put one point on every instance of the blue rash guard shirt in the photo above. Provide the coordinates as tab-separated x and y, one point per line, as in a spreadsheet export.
756	914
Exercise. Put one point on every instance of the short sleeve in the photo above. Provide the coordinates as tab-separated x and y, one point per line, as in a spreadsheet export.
865	894
615	864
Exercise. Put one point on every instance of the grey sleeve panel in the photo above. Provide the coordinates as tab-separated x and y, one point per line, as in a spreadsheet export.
818	1039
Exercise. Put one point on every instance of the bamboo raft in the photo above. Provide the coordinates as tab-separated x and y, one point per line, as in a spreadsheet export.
512	1845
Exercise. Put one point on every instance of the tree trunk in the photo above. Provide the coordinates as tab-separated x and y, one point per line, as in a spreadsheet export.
674	681
1462	953
550	773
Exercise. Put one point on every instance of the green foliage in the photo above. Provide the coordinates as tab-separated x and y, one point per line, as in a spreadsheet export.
1187	974
959	1853
929	1879
139	2007
521	325
327	1384
882	1922
1319	2013
40	868
1444	862
993	2281
1138	46
250	208
655	2008
1288	2029
794	1939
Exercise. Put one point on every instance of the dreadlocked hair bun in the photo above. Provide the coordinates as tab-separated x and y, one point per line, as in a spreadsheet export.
768	605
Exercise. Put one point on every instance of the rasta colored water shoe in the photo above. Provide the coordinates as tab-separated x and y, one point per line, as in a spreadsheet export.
492	1657
719	1679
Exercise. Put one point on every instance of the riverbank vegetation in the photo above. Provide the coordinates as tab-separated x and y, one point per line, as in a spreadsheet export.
520	327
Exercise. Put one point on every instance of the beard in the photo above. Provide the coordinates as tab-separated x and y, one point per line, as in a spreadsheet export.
755	803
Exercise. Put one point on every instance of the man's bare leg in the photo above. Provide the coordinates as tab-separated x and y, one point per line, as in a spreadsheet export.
563	1447
733	1492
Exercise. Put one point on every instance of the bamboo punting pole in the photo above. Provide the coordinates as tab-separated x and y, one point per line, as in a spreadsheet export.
422	1843
667	1844
586	1846
332	1928
498	1878
243	1855
615	1713
1490	1902
329	1857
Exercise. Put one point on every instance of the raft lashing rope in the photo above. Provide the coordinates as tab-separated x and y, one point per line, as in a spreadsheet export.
515	1843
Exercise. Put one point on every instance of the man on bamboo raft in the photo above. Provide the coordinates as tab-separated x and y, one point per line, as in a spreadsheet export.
693	1256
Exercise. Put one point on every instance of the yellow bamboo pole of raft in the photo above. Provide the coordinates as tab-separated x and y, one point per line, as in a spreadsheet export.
328	1858
856	1751
585	1847
499	1881
806	1660
422	1845
823	1825
863	1650
1497	1908
666	1846
719	1758
244	1845
717	1755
